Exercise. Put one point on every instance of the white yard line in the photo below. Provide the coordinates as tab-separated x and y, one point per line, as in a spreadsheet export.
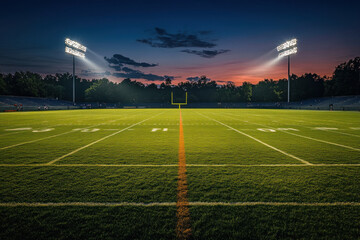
298	135
99	140
335	131
323	141
176	165
291	119
52	136
259	141
6	134
171	204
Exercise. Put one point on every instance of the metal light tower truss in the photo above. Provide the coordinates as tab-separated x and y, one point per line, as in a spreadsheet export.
173	103
75	49
286	49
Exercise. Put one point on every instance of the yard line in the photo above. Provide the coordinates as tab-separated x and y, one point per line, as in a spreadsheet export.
176	165
259	141
183	227
291	133
323	141
40	139
333	131
291	119
170	204
5	134
99	140
52	136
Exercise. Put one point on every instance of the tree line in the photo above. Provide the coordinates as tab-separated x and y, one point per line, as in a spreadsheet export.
344	81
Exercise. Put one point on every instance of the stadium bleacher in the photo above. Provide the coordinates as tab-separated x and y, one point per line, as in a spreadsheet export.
8	103
11	103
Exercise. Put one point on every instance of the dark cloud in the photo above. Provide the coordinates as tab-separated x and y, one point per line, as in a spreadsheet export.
163	39
195	79
206	53
120	60
91	73
131	73
226	82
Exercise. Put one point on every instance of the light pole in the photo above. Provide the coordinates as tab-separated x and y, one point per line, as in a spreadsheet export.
286	49
69	48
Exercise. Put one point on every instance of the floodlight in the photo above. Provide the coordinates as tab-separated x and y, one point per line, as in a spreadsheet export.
286	49
287	44
73	48
288	52
74	52
74	44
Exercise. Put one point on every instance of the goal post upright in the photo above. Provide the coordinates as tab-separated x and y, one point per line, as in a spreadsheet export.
173	103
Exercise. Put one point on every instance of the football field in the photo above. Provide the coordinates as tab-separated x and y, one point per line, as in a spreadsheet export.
171	174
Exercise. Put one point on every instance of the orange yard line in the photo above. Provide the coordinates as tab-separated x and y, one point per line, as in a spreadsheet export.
183	228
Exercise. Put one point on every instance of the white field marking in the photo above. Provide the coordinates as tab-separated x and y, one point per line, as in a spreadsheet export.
259	141
11	133
90	130
355	128
266	130
176	165
115	129
99	140
171	204
40	139
155	129
348	134
325	128
314	139
323	141
165	129
287	129
52	136
44	130
19	129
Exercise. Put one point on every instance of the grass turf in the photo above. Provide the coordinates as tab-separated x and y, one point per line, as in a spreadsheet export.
208	141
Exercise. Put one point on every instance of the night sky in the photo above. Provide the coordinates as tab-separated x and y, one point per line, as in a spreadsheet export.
150	40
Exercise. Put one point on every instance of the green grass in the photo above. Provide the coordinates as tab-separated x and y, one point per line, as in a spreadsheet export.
225	166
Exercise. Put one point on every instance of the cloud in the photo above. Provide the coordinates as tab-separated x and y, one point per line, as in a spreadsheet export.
91	73
163	39
118	60
206	53
227	82
131	73
195	79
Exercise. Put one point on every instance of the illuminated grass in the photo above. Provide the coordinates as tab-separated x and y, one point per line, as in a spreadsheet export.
206	142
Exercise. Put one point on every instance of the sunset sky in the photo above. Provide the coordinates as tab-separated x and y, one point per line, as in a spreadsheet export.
150	40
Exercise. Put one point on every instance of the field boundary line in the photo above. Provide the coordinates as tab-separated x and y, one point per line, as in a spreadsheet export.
259	141
188	165
99	140
170	204
291	133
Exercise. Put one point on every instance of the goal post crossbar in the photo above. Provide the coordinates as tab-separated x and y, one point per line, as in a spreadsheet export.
179	104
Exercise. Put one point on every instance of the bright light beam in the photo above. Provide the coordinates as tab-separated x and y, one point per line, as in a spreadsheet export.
287	44
288	52
74	52
74	44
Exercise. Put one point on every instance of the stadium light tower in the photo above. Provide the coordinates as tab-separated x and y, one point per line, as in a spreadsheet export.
71	48
286	49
